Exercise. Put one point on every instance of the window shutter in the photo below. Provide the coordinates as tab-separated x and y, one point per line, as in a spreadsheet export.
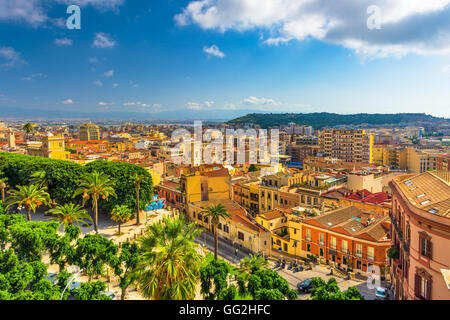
417	285
430	247
428	297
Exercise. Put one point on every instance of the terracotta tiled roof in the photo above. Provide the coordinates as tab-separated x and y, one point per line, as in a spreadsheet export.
426	192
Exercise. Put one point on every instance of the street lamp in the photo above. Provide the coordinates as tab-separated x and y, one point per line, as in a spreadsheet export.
75	275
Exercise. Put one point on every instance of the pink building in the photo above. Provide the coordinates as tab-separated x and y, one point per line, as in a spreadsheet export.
420	237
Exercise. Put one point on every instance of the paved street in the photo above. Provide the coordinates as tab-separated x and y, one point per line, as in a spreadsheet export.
226	249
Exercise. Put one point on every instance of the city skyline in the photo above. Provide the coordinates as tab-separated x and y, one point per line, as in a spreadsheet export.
230	57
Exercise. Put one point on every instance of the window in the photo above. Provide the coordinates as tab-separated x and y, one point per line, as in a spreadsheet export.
308	247
321	252
200	217
285	247
358	250
425	244
219	226
226	228
321	239
344	246
308	235
240	236
370	253
358	264
333	243
422	287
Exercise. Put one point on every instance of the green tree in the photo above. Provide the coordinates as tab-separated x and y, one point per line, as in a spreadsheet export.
215	274
330	291
91	291
215	212
126	265
93	253
121	174
70	213
40	178
93	186
252	168
170	262
21	280
28	128
31	197
121	214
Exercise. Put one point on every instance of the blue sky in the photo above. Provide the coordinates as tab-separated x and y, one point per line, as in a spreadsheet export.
206	55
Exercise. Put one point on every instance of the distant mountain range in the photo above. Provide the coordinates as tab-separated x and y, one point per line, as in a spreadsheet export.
218	115
324	119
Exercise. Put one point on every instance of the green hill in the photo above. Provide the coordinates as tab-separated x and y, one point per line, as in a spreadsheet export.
324	119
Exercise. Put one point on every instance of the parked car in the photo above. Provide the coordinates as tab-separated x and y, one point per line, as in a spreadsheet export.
382	294
52	278
110	294
305	286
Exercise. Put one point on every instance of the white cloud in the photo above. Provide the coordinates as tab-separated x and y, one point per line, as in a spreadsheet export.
260	101
34	76
407	26
214	51
209	103
98	83
194	106
10	57
68	101
93	60
34	12
157	105
101	103
109	73
137	104
102	40
115	85
64	42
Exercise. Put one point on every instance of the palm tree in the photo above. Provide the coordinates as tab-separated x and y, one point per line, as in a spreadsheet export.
253	262
93	186
215	213
121	214
170	263
31	197
40	177
137	180
28	128
3	182
69	214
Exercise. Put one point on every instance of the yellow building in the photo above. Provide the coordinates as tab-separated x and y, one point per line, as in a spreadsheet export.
285	227
89	132
51	147
240	229
346	145
205	182
394	157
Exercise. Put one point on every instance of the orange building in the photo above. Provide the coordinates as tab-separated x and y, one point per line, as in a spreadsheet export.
348	237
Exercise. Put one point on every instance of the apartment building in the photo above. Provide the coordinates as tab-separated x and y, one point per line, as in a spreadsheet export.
89	132
350	238
346	145
420	237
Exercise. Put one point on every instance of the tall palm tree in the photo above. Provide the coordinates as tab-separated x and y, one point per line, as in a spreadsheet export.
170	263
93	186
70	213
121	214
137	180
28	128
3	182
215	212
31	197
